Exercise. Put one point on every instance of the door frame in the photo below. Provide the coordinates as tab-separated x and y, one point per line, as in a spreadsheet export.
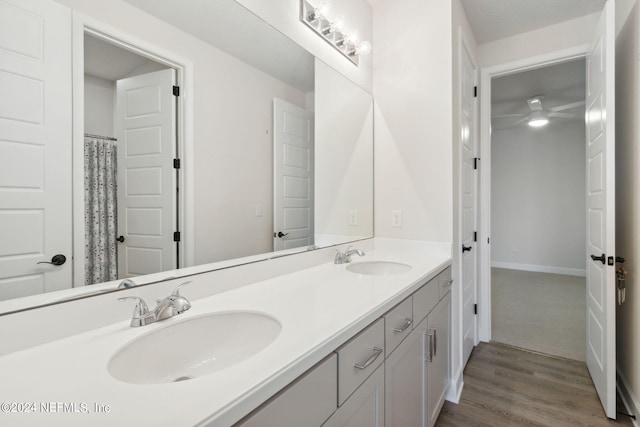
84	24
484	234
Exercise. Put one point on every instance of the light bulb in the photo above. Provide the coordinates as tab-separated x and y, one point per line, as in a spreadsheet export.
364	48
353	37
338	24
323	10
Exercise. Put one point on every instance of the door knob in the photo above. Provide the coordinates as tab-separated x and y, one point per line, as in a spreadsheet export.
281	234
56	260
120	239
598	258
465	248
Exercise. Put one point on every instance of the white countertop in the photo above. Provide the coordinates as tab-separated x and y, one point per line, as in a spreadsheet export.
319	309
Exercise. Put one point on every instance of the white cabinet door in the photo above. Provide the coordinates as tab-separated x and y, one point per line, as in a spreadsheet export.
35	147
365	407
309	401
403	383
436	351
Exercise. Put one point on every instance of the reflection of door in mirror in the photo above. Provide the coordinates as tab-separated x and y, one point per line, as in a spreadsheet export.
293	145
130	197
35	149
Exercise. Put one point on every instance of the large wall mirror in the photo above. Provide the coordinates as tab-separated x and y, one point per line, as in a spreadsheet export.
281	147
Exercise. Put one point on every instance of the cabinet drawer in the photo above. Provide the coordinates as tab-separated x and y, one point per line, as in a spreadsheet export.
425	299
445	282
397	324
308	401
358	358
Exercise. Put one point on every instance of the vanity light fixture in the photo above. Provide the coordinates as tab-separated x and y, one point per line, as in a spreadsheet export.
319	19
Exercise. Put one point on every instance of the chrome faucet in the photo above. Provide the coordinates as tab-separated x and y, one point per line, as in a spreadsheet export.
345	258
170	306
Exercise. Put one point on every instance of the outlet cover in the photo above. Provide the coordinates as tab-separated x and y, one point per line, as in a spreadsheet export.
396	218
258	210
353	217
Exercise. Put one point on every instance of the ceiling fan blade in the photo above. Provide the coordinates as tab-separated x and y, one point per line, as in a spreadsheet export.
563	115
567	106
522	120
507	115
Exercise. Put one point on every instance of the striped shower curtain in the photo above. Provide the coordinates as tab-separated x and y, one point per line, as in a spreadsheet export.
100	204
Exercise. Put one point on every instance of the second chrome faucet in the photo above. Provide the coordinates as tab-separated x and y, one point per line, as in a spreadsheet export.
168	307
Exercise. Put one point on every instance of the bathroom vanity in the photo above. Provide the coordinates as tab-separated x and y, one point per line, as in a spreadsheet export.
322	345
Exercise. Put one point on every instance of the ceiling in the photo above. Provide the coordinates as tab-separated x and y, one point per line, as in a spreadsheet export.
109	62
495	19
235	30
560	84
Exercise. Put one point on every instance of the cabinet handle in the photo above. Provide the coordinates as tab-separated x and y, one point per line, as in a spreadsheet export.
376	352
449	282
435	342
429	351
407	323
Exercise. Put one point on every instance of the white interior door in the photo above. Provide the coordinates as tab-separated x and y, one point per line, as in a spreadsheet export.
293	176
146	130
468	193
35	147
601	332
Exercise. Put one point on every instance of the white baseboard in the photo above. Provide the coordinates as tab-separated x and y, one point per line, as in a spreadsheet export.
455	388
632	406
540	268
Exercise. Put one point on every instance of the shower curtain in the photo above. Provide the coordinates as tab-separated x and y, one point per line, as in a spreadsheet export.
101	221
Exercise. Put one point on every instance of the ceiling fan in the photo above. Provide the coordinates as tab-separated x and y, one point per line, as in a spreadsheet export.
539	116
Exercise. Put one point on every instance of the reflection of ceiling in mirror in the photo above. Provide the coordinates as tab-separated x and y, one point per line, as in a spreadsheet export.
235	30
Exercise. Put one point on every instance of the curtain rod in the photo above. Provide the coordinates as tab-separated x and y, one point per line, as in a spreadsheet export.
90	135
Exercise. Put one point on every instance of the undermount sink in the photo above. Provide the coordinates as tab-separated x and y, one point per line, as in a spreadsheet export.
194	347
378	268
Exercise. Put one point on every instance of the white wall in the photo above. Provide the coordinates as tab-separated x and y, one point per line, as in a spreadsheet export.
412	120
628	196
343	155
564	35
99	105
538	197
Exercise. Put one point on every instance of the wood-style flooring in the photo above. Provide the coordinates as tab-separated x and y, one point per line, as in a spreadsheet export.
507	386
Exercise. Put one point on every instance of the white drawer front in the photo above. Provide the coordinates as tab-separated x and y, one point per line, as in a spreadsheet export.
398	324
358	358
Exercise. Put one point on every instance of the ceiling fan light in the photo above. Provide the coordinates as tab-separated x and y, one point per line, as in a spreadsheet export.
538	119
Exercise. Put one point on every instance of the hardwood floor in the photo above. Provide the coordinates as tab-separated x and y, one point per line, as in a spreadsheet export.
507	386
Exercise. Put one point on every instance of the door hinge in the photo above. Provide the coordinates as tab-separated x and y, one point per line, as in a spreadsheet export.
176	163
475	309
475	91
176	236
475	162
176	91
475	236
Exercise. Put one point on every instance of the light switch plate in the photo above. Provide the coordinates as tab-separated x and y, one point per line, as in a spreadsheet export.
258	210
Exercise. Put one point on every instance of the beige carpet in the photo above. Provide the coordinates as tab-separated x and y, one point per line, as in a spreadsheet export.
539	311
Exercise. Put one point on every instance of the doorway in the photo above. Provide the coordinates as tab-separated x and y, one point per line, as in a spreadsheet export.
127	152
538	218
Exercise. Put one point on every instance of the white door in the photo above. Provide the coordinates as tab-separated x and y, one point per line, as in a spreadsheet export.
146	131
468	193
35	147
293	176
601	326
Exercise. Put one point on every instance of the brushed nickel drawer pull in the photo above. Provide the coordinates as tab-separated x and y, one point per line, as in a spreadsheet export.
376	352
407	323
